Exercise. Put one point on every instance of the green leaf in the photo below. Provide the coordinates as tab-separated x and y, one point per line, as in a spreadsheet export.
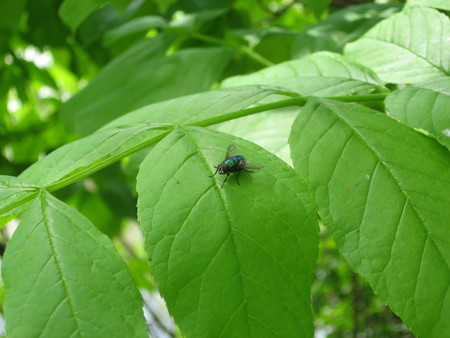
121	5
341	27
13	193
222	257
163	5
411	46
73	12
125	85
382	190
138	25
320	74
87	155
198	107
317	6
71	281
424	106
442	4
183	21
10	13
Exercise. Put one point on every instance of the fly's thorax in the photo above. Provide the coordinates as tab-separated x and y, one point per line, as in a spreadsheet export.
232	164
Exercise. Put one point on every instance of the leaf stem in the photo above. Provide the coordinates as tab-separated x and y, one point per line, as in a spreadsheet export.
297	101
19	202
108	160
359	98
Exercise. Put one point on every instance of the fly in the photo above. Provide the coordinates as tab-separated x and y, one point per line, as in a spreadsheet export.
234	163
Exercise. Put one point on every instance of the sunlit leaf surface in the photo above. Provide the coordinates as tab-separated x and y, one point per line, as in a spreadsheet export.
409	47
250	248
64	278
382	190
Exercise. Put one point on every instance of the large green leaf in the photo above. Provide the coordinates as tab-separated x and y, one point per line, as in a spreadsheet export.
92	153
383	191
424	106
341	27
320	74
232	261
64	278
142	76
411	46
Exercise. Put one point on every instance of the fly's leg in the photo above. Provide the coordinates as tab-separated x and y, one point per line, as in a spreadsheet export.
237	177
215	172
228	174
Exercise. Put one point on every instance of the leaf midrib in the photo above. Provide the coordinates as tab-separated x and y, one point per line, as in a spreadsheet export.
222	197
44	204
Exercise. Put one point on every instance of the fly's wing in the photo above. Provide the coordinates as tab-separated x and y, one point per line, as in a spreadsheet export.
231	151
250	165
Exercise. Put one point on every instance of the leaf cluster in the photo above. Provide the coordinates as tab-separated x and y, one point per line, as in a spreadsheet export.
346	109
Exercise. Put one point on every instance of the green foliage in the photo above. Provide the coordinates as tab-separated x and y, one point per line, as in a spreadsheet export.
424	106
137	102
320	74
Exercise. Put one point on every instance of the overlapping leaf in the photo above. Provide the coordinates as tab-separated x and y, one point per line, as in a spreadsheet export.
64	278
320	74
13	192
382	189
231	261
442	4
409	47
424	106
91	152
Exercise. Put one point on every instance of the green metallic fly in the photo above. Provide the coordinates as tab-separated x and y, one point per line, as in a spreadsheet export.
234	163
